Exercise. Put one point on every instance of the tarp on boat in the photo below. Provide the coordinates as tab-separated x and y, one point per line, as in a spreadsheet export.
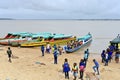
116	40
56	36
85	37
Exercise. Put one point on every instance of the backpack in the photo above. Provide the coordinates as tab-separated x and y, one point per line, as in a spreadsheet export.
82	68
66	67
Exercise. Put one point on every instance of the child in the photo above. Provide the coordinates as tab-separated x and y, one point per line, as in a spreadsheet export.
96	67
75	71
103	56
81	67
66	68
9	52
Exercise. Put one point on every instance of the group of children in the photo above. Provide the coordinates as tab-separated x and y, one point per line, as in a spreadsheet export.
82	65
107	55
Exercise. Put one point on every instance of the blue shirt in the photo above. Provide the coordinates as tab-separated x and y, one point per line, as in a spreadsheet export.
55	53
96	63
66	67
81	64
42	48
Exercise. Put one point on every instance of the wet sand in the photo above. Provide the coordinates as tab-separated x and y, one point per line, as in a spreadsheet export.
26	65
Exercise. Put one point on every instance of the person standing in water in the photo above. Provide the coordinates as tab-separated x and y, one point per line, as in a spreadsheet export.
9	52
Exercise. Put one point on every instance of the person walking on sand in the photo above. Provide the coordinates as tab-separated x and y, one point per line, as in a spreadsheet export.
82	68
55	55
66	68
42	50
96	67
9	52
75	71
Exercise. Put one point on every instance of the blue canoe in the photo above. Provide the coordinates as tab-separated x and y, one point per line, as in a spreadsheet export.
85	39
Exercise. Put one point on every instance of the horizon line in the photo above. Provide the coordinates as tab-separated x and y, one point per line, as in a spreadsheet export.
64	19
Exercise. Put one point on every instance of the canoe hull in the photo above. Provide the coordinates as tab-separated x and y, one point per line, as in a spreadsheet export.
35	44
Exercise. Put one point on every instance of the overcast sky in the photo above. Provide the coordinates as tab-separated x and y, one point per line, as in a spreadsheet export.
60	9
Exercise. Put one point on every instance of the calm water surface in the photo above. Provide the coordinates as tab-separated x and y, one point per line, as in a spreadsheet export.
102	31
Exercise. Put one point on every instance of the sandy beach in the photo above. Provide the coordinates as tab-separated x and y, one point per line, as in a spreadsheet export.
26	65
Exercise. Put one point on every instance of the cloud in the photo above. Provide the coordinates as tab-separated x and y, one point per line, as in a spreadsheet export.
60	9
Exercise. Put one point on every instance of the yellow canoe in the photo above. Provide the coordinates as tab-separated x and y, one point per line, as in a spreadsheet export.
39	43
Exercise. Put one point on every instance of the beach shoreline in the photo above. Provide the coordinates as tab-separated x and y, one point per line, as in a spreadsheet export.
26	65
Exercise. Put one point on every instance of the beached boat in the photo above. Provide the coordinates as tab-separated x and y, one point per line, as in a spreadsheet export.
116	42
49	39
36	37
81	42
15	37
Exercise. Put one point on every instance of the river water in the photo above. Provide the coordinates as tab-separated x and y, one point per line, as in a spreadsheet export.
102	31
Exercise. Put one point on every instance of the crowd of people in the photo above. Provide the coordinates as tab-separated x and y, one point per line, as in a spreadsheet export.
79	68
106	55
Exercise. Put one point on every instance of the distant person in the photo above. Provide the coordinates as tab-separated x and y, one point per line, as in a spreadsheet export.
110	53
48	48
117	55
82	68
9	52
60	49
42	50
88	53
96	67
75	71
54	46
106	59
116	47
55	53
118	36
103	56
66	68
85	57
112	47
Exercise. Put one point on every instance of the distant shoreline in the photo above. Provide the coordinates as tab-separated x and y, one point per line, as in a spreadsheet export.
65	19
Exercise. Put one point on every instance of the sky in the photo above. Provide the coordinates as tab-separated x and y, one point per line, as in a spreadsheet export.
60	9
